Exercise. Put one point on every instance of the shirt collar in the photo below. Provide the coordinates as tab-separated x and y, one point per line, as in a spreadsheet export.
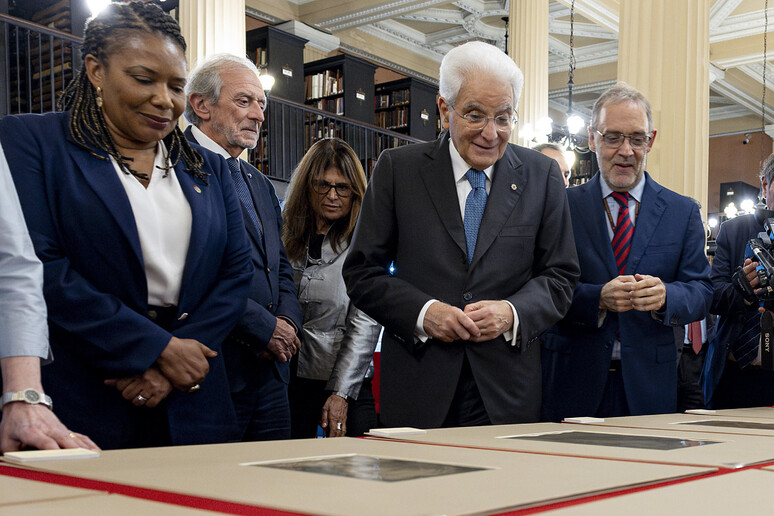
635	193
460	167
208	143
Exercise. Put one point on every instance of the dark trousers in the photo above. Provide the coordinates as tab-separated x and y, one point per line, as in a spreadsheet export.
748	387
262	408
614	402
689	391
467	407
307	398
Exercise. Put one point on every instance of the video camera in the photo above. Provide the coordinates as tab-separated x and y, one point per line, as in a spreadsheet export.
761	250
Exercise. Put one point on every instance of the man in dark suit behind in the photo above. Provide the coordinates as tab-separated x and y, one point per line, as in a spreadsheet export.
225	105
479	234
732	375
643	271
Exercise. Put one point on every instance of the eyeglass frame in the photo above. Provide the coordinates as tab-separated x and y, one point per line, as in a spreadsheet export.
514	120
648	136
319	184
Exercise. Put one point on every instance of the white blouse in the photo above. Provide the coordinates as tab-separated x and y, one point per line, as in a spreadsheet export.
163	219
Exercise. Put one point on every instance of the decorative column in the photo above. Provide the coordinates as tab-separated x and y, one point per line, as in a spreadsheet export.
663	51
211	26
528	47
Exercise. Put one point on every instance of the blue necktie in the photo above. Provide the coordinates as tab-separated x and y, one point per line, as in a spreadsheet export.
474	208
244	193
745	347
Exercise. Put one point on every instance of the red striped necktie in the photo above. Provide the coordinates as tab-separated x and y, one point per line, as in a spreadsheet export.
624	229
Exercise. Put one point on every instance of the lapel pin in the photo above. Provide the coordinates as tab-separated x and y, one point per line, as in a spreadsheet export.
513	187
249	175
198	190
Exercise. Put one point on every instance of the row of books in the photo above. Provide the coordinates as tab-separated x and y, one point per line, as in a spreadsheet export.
260	57
335	106
395	98
330	82
392	119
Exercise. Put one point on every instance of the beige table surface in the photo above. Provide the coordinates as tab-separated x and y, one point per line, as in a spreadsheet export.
731	451
514	480
107	504
15	491
738	493
756	412
686	423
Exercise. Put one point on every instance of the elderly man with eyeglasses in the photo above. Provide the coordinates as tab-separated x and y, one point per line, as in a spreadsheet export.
643	271
479	234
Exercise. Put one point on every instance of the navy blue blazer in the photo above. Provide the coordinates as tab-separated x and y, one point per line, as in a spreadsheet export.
668	242
727	302
272	289
84	232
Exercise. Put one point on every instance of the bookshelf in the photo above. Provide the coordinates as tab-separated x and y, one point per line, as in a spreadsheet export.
282	55
342	85
407	106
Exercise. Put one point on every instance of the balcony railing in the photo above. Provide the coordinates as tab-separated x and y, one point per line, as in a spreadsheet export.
290	129
37	64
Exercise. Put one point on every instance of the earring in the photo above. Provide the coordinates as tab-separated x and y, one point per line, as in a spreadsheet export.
99	97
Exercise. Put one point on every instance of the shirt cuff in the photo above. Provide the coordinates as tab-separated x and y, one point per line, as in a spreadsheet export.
601	315
419	330
513	333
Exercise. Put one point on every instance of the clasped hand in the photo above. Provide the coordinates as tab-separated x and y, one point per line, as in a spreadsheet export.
182	365
640	292
476	322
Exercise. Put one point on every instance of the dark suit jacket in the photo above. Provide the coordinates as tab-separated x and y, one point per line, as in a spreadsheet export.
272	289
84	232
727	301
668	242
524	254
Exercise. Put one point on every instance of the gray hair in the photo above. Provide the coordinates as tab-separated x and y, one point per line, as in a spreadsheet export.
621	92
473	60
767	170
205	79
543	146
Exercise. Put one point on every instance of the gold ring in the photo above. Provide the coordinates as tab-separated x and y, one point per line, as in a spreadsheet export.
195	387
72	435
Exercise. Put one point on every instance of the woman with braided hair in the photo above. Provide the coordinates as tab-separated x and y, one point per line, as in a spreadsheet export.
146	266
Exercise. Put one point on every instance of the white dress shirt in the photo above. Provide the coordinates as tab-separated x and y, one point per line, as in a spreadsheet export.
460	169
163	218
23	326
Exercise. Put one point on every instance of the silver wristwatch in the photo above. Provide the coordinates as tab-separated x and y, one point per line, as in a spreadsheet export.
30	396
342	395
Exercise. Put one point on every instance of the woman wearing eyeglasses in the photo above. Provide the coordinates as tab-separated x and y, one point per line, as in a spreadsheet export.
331	376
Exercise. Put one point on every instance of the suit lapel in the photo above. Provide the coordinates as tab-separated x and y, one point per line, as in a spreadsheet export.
438	177
101	176
261	207
508	181
652	208
198	196
592	204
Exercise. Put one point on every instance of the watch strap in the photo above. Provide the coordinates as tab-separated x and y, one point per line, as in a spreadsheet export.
29	396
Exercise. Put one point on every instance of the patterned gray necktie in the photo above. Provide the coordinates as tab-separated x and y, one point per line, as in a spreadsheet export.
244	193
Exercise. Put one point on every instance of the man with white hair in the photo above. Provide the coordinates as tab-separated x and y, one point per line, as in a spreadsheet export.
225	105
479	234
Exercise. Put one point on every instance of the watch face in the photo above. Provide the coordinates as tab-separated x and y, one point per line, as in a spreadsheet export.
31	396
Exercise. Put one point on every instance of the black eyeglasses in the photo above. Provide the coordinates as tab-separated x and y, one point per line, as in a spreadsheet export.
614	140
323	187
503	123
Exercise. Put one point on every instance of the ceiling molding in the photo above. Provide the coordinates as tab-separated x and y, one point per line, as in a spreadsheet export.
597	11
260	15
388	64
743	99
721	10
741	26
374	14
